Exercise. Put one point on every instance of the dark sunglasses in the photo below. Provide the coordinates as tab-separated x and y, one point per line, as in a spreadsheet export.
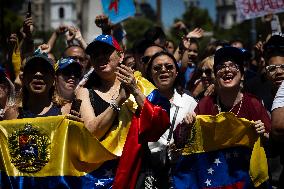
158	68
145	59
207	72
70	72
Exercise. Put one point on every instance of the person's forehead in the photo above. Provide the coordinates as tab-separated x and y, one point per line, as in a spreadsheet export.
163	59
193	46
276	60
75	51
150	51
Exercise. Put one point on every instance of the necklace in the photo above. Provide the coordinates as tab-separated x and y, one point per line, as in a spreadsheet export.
240	102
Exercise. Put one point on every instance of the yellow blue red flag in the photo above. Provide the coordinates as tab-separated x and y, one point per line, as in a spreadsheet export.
223	151
52	151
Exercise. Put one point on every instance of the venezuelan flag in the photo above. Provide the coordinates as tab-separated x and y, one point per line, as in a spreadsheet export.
55	152
223	151
52	152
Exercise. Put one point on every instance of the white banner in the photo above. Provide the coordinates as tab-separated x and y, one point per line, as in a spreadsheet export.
248	9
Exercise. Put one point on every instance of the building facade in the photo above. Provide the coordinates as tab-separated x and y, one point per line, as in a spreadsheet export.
226	13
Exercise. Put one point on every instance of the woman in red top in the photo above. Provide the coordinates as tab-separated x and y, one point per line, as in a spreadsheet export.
229	70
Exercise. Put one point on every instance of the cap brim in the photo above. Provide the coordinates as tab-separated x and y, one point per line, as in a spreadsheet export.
76	64
38	60
228	53
96	44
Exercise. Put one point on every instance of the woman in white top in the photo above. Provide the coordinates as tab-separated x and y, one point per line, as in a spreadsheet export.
163	72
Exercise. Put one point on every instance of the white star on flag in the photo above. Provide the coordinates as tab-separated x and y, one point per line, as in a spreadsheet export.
108	173
217	161
99	183
210	171
208	182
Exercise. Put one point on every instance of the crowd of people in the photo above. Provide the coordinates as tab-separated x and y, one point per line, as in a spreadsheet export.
156	90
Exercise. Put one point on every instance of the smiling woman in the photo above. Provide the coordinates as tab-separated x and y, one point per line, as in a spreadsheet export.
163	71
228	68
38	79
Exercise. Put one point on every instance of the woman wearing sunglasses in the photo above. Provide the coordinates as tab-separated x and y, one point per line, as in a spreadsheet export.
67	76
164	73
203	86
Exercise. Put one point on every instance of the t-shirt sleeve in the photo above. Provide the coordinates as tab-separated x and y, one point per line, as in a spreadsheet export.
279	98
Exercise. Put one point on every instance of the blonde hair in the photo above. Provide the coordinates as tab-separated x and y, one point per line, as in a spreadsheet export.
209	60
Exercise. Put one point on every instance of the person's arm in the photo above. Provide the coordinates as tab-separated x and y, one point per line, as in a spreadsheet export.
59	31
277	115
98	125
80	39
27	47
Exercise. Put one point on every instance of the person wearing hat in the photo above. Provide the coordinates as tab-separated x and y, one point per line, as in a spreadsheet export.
38	83
67	76
228	97
116	108
7	97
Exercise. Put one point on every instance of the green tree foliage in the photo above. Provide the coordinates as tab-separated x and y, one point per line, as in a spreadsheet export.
197	17
194	17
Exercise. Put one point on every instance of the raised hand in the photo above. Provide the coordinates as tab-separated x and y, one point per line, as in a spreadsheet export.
13	41
44	48
196	33
125	76
70	35
28	27
62	29
102	21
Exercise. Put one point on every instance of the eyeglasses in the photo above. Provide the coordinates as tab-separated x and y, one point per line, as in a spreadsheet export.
231	66
159	67
145	59
273	68
208	71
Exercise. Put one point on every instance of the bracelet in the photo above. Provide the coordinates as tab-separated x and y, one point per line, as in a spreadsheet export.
114	106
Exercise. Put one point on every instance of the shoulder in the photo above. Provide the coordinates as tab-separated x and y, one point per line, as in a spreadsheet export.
206	99
184	98
252	98
82	92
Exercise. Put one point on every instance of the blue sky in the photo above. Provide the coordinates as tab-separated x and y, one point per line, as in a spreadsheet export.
172	9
